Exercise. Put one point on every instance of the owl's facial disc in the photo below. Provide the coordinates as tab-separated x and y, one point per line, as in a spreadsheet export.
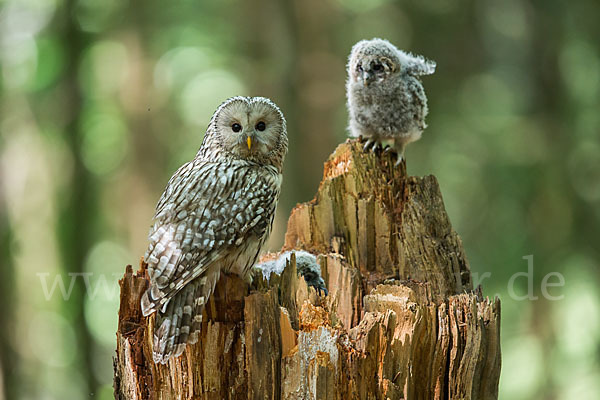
374	70
250	131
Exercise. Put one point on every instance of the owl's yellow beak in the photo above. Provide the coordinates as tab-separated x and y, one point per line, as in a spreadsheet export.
249	142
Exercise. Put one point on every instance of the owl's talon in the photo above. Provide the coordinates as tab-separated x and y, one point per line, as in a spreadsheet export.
368	145
399	161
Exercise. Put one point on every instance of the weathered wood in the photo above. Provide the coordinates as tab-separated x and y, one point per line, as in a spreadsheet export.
401	320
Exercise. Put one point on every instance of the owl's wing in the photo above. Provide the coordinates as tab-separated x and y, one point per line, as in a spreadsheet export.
416	65
206	210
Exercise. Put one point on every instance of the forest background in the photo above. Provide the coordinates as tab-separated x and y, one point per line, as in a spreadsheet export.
102	100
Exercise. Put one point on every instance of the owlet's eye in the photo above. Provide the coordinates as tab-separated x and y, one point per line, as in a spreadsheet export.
236	127
377	67
261	126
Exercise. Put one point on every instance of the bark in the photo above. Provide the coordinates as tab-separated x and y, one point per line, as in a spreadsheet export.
401	320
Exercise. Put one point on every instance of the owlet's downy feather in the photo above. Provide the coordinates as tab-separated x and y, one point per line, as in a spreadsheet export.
307	266
214	217
386	99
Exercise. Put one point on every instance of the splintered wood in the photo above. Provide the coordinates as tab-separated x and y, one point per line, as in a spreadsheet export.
401	319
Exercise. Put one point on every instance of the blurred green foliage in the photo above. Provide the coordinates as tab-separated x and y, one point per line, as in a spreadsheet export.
102	100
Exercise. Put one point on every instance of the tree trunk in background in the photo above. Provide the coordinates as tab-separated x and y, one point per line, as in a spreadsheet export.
9	362
77	207
401	320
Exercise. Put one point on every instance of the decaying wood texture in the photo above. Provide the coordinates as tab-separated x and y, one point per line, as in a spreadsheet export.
401	320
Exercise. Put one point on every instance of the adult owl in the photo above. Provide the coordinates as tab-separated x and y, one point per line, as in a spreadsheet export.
214	217
386	99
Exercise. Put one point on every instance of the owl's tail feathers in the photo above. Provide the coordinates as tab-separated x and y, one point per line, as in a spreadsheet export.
152	301
181	321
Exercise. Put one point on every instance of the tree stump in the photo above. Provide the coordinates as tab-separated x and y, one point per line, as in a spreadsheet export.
401	320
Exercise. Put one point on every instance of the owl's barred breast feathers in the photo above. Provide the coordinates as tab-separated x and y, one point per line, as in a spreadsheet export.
214	216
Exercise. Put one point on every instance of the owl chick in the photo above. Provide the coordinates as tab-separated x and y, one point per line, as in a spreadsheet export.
310	270
306	266
386	99
214	217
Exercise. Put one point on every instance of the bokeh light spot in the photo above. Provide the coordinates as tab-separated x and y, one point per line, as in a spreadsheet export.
104	142
52	339
104	68
507	17
18	60
580	67
488	103
50	54
203	94
521	367
584	169
105	264
178	66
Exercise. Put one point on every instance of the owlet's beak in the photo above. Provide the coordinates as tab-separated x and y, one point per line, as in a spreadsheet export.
366	77
249	142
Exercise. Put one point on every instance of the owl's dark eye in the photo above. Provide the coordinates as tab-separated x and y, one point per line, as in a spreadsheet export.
261	126
377	67
236	127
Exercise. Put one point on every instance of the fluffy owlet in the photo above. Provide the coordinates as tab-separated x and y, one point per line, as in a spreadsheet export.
386	99
214	217
306	265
